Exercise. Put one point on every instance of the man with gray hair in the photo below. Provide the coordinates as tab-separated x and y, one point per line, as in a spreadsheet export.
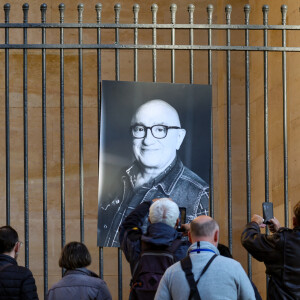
156	172
151	253
204	272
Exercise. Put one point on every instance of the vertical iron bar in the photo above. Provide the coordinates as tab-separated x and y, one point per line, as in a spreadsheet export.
228	10
80	12
136	9
248	156
25	8
7	136
154	9
173	9
210	9
265	10
191	9
285	134
62	130
266	129
44	138
98	8
117	9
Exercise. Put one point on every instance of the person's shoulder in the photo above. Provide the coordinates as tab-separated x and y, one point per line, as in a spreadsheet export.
20	270
229	265
193	178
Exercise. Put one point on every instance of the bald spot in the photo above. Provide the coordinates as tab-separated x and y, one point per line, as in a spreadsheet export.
203	226
157	110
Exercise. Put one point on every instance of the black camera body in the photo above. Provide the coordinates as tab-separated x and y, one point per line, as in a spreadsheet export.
182	218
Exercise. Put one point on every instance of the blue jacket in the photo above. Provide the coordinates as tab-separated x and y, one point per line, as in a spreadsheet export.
16	282
79	284
158	235
177	182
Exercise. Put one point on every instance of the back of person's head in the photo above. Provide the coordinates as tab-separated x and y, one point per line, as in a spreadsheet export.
8	239
297	213
75	255
203	226
165	211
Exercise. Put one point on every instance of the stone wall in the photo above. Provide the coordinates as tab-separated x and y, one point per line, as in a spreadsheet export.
145	74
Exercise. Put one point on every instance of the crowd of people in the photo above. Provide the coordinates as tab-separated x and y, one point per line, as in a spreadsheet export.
167	263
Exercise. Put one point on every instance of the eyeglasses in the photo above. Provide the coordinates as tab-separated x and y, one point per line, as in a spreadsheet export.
158	131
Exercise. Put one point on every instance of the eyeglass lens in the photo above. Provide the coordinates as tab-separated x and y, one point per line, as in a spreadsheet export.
158	131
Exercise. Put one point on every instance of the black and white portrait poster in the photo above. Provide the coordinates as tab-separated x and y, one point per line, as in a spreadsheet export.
154	143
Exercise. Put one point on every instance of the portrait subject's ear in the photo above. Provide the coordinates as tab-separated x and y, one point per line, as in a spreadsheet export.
180	137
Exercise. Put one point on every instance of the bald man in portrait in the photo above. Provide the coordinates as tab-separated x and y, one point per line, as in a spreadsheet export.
156	172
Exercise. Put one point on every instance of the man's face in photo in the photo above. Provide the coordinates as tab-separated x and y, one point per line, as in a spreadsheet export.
152	152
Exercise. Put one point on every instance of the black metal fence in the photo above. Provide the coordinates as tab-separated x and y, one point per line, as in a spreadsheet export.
153	47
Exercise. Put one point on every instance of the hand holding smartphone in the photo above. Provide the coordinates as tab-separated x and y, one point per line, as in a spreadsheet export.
267	212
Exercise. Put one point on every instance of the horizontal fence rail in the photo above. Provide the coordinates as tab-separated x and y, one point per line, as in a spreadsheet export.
134	44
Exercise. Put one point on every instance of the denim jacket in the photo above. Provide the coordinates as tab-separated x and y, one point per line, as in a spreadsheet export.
178	183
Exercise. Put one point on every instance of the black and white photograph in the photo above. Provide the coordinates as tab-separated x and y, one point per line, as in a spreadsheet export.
155	142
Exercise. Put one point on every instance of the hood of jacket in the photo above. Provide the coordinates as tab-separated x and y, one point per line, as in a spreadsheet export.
160	234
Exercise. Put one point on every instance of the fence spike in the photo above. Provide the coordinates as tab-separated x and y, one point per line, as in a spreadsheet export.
209	9
61	8
228	10
43	12
154	9
173	9
247	10
191	9
6	8
25	8
265	10
283	12
80	9
135	9
98	8
117	9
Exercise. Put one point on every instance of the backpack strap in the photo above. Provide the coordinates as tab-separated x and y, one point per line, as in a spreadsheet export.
175	245
186	265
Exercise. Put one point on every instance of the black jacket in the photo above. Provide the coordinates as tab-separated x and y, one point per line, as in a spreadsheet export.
16	283
281	254
158	235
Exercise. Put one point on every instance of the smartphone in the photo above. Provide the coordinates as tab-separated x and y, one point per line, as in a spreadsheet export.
182	218
267	212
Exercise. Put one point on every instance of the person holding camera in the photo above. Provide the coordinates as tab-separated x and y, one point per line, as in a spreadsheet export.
150	254
280	253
